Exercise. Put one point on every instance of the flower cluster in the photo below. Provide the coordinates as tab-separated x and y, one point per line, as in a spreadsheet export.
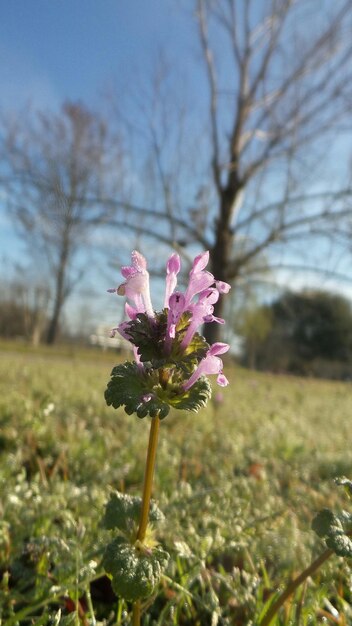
168	342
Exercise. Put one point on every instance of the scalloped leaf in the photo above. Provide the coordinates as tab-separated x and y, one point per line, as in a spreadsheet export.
141	393
341	544
129	388
195	351
323	522
195	398
336	530
122	512
135	570
149	335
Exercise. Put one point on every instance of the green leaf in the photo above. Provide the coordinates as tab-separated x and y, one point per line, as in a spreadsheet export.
196	349
135	571
140	391
122	512
195	398
340	543
323	522
129	387
149	336
336	530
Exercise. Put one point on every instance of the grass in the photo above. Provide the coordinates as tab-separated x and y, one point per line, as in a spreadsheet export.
239	484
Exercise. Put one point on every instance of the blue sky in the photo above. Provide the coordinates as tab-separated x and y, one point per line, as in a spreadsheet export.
55	49
52	50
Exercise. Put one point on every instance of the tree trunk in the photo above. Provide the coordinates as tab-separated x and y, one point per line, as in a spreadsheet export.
54	323
221	255
59	295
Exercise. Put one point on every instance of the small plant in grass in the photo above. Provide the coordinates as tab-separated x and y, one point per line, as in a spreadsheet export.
170	368
336	530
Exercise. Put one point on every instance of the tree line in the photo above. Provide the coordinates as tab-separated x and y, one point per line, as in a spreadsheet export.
307	333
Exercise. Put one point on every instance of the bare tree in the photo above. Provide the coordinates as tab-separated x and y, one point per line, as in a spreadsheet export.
52	164
262	177
290	89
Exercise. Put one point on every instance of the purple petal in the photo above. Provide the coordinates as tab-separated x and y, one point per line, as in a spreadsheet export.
130	311
172	269
122	328
200	262
209	365
212	318
173	265
198	282
222	380
218	348
177	304
138	261
127	271
210	295
222	286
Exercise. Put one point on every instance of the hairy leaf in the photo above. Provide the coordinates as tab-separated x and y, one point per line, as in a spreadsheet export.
336	530
123	512
133	389
195	398
135	571
141	392
148	335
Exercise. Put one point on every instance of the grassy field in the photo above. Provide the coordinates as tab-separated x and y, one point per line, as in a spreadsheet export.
239	485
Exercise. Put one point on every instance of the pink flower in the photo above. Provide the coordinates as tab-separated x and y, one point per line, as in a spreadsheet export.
173	267
176	308
211	364
136	286
202	293
202	311
199	279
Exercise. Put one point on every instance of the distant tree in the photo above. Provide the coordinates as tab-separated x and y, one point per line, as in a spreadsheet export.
23	310
254	325
306	327
52	165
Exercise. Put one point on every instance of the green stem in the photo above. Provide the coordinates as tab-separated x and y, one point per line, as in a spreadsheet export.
293	585
136	614
147	492
148	477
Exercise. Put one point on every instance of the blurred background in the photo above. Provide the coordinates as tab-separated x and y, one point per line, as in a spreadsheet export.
215	125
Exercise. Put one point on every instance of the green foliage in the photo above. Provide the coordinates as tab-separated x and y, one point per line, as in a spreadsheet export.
141	392
336	528
122	512
148	335
254	325
237	485
129	387
135	570
308	332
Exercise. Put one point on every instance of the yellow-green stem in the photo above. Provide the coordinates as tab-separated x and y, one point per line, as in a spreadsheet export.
293	585
136	614
147	492
148	477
